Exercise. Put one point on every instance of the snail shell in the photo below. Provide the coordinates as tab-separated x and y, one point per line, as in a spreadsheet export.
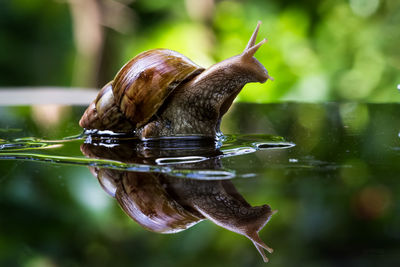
138	90
103	114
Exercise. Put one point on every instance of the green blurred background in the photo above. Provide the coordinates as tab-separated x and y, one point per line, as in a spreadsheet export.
330	50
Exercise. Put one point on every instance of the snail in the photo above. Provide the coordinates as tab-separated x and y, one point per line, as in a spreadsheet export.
165	204
161	92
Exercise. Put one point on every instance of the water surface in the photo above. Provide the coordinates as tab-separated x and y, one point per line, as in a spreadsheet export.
331	170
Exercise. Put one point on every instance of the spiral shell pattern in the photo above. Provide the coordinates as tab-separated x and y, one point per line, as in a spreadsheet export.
138	91
142	85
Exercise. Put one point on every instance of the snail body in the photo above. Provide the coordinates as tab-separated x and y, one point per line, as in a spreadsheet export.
163	93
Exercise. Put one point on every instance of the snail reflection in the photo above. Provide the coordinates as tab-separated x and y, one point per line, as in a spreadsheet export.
163	203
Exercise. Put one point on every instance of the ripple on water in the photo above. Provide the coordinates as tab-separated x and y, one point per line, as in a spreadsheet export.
190	156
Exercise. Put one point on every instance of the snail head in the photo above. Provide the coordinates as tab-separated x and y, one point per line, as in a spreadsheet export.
249	64
244	67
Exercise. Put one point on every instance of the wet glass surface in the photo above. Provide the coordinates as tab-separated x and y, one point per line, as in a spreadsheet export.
330	170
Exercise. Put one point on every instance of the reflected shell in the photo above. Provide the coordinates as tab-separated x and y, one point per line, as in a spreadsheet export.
145	200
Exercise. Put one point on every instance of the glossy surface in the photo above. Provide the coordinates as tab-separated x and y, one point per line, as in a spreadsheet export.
336	190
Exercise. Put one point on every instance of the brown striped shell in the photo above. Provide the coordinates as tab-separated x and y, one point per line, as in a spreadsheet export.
104	114
142	85
138	90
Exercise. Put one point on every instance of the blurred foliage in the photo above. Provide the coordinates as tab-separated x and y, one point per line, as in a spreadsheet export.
328	50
